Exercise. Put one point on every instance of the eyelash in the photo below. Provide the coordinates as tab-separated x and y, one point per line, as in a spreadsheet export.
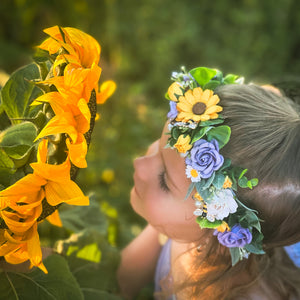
162	182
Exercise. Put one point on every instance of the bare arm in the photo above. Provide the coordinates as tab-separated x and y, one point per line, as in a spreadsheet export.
138	262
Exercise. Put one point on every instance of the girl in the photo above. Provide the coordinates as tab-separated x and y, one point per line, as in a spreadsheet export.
225	231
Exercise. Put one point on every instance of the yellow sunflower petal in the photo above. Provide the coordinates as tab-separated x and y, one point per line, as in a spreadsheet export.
17	257
59	173
189	97
206	95
69	193
197	92
55	99
213	100
77	152
107	88
54	219
204	118
211	110
42	151
63	123
34	249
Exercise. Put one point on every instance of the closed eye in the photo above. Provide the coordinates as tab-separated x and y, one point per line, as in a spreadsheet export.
162	182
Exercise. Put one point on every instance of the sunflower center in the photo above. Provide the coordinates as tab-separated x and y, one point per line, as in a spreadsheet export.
199	108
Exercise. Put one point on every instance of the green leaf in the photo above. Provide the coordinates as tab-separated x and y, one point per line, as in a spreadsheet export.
254	182
221	134
198	134
226	164
208	181
58	284
190	189
20	134
243	182
78	218
253	249
203	75
243	173
220	120
7	168
230	79
235	255
219	180
211	85
19	92
204	223
93	278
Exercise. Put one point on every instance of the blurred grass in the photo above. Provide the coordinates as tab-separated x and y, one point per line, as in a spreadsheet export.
142	43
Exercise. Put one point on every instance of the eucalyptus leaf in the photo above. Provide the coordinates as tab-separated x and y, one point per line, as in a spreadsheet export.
203	75
235	255
218	180
221	134
253	249
189	191
19	91
58	284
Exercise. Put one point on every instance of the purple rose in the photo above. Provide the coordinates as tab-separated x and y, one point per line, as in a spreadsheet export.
172	114
205	158
237	237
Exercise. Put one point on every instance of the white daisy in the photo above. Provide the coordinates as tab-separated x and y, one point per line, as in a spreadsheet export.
192	174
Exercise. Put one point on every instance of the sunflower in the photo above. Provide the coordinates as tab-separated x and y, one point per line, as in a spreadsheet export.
198	105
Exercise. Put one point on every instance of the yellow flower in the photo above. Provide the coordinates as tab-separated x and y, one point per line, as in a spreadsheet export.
198	105
175	91
59	186
108	176
74	122
76	83
107	88
227	183
183	144
223	227
75	42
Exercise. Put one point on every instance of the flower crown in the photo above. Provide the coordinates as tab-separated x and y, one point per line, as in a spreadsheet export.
196	131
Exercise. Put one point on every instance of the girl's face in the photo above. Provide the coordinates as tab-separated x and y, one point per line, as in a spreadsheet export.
160	187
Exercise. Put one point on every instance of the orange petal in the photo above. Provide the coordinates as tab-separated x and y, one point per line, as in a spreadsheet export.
54	219
107	88
68	192
77	152
59	173
34	249
62	123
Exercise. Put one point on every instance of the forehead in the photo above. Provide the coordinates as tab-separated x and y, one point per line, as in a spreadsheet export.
174	164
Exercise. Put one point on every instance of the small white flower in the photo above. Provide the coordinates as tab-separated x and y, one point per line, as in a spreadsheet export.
222	204
192	174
